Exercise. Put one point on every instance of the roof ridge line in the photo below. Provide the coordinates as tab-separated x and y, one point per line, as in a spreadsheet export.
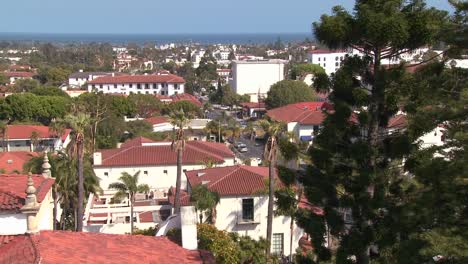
222	178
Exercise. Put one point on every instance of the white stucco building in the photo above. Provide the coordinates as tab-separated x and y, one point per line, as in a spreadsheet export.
80	78
13	218
329	60
157	162
161	83
243	205
304	119
255	77
33	139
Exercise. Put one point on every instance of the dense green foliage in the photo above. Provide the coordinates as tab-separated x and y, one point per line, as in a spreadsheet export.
230	247
299	71
288	92
357	165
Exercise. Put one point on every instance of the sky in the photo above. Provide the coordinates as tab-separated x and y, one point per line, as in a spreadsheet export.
167	16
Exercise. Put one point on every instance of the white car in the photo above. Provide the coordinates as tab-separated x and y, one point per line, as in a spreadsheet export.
243	150
240	145
224	107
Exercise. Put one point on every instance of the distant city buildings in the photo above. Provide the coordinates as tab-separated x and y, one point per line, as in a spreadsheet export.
255	77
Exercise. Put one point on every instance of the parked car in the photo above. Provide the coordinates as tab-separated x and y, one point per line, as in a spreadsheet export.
243	149
224	107
240	145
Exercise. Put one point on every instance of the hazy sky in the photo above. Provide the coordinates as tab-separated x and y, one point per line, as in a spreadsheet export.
167	16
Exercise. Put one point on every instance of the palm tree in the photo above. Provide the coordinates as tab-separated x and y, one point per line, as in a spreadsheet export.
274	131
179	120
80	124
4	135
128	187
205	200
250	130
34	140
65	186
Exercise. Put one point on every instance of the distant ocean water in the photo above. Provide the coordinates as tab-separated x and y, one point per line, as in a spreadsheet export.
247	38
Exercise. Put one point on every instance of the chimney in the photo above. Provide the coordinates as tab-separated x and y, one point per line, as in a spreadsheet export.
188	221
31	207
46	167
97	158
253	162
113	74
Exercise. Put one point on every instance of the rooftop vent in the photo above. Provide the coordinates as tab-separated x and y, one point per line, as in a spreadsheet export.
199	174
205	182
9	161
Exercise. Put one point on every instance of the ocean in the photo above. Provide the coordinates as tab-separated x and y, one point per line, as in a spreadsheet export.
240	38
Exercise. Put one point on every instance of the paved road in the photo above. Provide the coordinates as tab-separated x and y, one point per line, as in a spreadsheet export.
255	149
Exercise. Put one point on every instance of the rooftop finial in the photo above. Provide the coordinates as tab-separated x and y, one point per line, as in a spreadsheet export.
46	167
31	207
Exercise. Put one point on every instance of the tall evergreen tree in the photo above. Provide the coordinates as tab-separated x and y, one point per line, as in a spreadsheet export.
355	161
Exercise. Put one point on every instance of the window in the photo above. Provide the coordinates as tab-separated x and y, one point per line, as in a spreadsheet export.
319	58
94	86
146	85
100	86
76	79
138	86
324	58
155	85
145	172
146	92
106	174
176	86
324	65
165	171
184	170
130	85
115	85
277	244
336	58
336	64
247	209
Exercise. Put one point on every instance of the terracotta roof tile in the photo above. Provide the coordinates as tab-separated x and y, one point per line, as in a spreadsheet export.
186	97
138	141
195	152
12	162
231	180
19	74
25	132
306	113
397	122
79	247
13	190
155	120
169	78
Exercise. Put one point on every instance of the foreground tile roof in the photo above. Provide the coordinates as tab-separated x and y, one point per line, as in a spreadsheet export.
25	132
231	180
51	247
11	162
13	190
135	154
186	97
305	113
166	78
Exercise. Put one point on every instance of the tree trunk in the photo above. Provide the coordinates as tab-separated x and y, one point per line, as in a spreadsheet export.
79	226
131	213
271	190
178	181
213	215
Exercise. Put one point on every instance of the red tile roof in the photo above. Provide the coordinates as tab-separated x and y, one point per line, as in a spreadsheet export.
305	204
19	67
253	105
169	78
155	120
138	141
397	122
186	97
13	190
25	132
12	162
79	247
231	180
184	197
305	113
19	74
195	152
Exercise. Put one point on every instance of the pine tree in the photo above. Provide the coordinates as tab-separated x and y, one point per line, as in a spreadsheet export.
356	163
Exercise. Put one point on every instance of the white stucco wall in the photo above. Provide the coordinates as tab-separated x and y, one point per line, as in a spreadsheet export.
15	224
128	88
252	77
230	208
156	178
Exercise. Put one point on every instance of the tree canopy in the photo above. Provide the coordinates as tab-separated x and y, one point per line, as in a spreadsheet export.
287	92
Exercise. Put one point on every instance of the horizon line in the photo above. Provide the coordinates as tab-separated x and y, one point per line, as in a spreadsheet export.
148	33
